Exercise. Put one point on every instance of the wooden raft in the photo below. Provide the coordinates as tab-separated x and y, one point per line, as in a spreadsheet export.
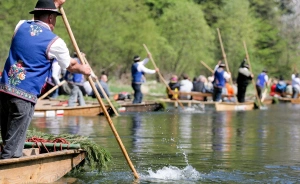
41	168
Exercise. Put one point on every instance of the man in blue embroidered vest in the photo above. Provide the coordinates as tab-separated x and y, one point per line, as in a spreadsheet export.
261	82
75	80
32	50
137	71
220	77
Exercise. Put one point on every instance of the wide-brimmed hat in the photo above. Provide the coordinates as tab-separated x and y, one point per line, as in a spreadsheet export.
136	58
45	6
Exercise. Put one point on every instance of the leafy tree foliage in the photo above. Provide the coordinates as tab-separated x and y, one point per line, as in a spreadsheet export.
178	33
187	32
237	24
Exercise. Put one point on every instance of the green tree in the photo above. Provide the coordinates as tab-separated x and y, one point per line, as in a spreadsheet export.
269	44
237	24
11	12
188	37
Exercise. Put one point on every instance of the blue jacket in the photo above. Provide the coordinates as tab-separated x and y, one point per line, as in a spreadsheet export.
136	75
219	80
28	65
261	80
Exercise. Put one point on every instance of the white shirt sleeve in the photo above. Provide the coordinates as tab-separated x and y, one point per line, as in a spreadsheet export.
145	61
226	75
56	72
266	78
142	68
60	52
216	67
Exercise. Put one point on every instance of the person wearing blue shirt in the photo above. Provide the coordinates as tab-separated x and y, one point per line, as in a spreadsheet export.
137	71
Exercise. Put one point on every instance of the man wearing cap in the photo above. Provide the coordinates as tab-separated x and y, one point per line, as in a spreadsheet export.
33	48
261	82
138	70
243	80
220	77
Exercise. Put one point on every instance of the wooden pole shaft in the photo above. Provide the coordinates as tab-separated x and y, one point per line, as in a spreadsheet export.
250	68
98	96
104	94
225	59
51	90
161	77
204	64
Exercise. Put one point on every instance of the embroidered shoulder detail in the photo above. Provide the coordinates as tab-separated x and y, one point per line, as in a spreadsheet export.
18	92
35	30
16	73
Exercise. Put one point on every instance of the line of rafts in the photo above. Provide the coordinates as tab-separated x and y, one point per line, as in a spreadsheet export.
198	98
50	108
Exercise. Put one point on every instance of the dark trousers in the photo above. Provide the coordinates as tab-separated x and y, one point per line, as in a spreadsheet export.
138	95
259	90
241	93
217	94
295	93
15	117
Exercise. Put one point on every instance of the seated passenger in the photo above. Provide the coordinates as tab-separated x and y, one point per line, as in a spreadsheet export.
175	86
185	86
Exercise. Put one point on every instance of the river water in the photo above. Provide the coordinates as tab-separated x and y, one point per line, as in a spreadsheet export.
194	145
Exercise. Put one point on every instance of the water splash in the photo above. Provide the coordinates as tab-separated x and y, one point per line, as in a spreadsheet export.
173	173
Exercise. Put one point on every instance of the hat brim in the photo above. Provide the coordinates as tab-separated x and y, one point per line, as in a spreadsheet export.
49	11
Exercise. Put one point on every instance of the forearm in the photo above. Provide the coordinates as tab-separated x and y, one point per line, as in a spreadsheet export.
75	67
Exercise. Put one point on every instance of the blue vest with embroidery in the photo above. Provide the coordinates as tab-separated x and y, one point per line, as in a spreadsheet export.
28	65
136	75
261	80
219	80
74	77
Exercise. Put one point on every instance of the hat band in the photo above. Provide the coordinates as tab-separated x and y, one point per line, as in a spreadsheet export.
46	9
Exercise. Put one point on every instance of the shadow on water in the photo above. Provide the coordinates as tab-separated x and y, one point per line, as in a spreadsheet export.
259	146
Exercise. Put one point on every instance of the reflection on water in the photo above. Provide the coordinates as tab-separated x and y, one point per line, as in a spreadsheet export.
259	146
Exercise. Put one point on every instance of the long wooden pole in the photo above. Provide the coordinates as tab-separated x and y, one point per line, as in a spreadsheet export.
225	59
66	22
104	93
161	77
250	68
207	67
51	90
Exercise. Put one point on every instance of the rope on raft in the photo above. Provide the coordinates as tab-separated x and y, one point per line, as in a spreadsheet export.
37	140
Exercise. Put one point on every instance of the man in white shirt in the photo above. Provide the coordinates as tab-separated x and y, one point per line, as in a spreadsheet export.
138	70
185	86
295	85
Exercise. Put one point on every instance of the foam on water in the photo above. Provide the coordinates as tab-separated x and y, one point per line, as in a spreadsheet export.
173	173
